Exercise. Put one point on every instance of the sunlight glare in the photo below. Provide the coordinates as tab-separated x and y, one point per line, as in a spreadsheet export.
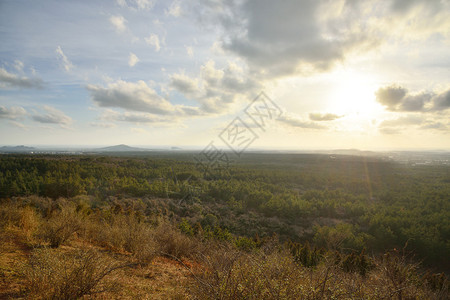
354	93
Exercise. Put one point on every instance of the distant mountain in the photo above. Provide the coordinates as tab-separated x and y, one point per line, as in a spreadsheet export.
12	149
354	152
175	148
120	148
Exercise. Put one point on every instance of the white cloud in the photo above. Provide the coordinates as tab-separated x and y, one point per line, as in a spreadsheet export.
132	117
119	23
415	19
9	80
102	125
403	121
409	122
216	89
390	130
137	97
190	51
133	60
52	116
323	117
12	113
153	40
18	65
293	120
139	130
62	58
136	4
174	9
18	125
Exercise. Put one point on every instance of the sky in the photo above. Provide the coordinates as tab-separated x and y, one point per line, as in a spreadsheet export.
335	74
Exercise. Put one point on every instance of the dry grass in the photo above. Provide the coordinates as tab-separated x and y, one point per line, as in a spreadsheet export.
166	264
172	242
229	274
61	225
124	233
53	274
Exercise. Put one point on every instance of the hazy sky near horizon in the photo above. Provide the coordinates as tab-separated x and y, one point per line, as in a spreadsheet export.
345	74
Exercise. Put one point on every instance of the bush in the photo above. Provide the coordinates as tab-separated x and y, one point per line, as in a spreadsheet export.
233	274
52	274
170	241
306	255
124	232
23	217
62	224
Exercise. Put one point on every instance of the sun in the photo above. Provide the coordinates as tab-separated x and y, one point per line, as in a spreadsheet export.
353	93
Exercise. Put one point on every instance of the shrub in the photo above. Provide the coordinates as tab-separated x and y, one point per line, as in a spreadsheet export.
354	263
306	255
170	241
124	232
52	274
62	224
245	243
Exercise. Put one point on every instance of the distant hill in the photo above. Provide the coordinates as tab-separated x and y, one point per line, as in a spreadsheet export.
120	148
355	152
12	149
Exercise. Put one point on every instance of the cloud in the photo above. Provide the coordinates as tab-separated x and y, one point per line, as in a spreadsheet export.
137	97
111	115
9	80
412	122
292	37
390	96
133	60
119	23
139	130
102	125
403	121
389	130
153	40
216	89
18	125
295	121
323	117
190	51
435	126
12	113
52	116
136	4
18	65
416	19
396	98
184	84
62	58
174	9
300	37
441	101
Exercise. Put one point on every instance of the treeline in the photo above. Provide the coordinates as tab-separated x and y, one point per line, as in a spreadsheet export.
343	203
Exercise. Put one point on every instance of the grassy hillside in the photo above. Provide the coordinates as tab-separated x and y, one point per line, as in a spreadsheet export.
65	249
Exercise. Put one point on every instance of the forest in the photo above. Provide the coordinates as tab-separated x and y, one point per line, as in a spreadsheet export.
356	207
345	202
